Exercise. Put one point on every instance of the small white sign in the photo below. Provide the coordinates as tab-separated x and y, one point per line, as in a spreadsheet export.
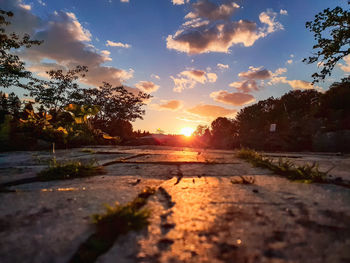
273	127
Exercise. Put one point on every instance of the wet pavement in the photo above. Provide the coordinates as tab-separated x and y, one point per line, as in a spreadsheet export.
197	213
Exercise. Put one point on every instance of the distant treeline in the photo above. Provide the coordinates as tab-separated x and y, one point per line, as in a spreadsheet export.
305	120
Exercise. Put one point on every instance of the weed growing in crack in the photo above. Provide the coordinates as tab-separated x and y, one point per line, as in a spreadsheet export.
306	173
117	220
87	150
69	170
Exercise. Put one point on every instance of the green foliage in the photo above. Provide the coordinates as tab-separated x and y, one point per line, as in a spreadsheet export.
331	29
69	170
60	91
12	69
306	173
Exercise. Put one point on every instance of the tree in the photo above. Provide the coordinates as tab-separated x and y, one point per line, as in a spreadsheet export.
200	130
117	108
12	69
116	103
61	90
331	30
14	105
335	107
224	132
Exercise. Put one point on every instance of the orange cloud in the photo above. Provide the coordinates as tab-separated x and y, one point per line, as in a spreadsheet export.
211	111
234	98
345	67
147	86
179	2
173	105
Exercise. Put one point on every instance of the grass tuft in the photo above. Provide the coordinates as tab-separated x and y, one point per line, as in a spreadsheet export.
69	170
306	173
87	150
116	221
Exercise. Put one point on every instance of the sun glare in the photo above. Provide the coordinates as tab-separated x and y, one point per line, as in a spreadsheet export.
187	131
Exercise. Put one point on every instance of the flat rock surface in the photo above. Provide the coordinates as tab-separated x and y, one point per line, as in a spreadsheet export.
198	214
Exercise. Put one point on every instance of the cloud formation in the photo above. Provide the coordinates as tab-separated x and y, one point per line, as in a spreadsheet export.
211	11
234	98
211	111
208	28
295	84
155	76
179	2
223	66
147	86
187	79
66	43
345	67
117	44
172	105
253	76
245	85
283	12
255	73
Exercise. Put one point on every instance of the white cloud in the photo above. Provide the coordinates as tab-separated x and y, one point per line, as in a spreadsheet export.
41	2
155	76
208	29
283	12
187	79
289	61
223	66
269	18
117	44
66	43
124	1
26	7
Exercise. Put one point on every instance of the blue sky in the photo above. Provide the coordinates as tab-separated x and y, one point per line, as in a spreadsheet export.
199	60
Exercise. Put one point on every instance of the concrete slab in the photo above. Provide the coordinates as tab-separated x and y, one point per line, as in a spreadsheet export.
198	215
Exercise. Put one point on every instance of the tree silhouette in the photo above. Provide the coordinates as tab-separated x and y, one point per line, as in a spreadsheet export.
331	30
12	69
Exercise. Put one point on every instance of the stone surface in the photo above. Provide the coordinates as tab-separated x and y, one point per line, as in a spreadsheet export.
198	214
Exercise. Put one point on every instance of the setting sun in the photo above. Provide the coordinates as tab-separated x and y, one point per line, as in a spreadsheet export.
187	131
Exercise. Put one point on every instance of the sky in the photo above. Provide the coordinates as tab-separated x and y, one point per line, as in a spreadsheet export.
199	59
